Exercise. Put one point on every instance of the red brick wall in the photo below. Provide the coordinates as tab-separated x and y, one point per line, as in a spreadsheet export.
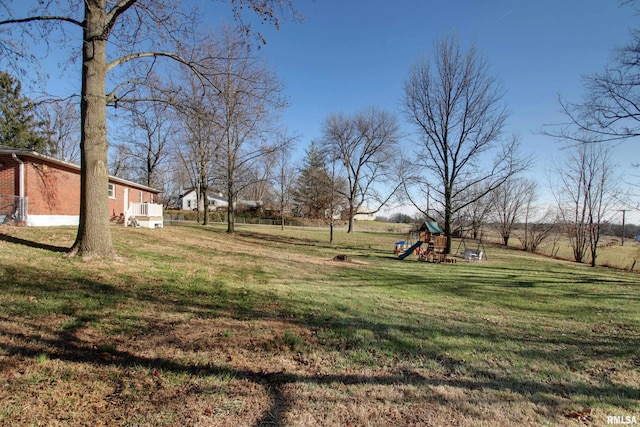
54	189
8	175
51	189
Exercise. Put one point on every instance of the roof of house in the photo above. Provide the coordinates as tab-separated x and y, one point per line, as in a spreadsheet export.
211	195
36	155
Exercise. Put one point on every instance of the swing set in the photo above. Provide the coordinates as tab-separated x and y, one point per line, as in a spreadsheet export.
470	254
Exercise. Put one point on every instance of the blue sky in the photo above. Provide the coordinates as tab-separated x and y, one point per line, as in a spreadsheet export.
349	55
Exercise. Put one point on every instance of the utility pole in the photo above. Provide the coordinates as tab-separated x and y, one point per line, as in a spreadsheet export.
428	197
624	211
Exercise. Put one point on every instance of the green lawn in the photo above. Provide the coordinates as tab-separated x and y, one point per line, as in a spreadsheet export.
192	326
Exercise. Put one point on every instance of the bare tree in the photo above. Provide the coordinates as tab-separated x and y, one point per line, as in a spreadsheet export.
120	163
508	203
456	107
128	39
365	145
537	226
334	211
475	215
248	95
610	110
254	181
585	193
285	176
200	146
61	125
147	138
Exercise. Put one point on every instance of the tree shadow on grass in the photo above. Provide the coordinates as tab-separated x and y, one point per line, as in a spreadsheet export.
67	347
252	238
32	244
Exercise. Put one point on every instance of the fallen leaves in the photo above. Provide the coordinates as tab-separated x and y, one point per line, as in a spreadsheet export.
583	416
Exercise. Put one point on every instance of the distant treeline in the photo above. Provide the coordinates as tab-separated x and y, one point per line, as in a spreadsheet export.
608	229
630	230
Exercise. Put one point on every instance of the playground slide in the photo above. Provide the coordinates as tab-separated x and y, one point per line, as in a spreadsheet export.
410	250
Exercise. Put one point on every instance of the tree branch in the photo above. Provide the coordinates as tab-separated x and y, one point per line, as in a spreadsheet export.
42	18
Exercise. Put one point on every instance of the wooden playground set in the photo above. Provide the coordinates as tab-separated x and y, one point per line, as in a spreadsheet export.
429	243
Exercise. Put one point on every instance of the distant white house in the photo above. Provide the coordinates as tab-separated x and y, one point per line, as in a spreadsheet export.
364	214
215	202
189	201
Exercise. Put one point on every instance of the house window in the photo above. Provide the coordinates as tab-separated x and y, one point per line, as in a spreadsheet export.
141	197
112	191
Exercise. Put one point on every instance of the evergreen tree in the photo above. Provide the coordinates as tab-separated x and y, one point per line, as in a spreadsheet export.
313	190
18	125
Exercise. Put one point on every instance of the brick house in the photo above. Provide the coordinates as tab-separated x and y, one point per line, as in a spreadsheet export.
38	190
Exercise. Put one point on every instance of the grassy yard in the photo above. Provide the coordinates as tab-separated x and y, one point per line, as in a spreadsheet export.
610	252
192	326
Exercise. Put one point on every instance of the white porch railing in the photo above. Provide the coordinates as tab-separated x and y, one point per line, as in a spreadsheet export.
146	210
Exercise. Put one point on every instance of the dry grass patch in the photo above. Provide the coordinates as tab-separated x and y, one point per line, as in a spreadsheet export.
191	326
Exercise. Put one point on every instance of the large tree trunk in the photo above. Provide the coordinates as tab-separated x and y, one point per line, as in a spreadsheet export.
231	218
594	238
447	219
203	196
447	231
282	212
231	214
94	234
